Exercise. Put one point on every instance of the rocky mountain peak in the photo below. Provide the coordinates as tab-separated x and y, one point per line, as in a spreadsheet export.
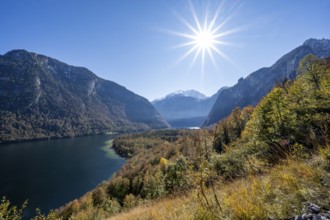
320	47
18	55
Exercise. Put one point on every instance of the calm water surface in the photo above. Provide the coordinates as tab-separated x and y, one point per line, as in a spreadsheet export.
52	173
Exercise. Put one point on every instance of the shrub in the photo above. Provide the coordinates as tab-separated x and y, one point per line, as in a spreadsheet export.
176	177
163	163
131	201
70	209
325	155
8	212
153	185
112	206
99	197
119	188
229	129
229	165
137	185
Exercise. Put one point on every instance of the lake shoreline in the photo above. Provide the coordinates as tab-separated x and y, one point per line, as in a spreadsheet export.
104	132
26	140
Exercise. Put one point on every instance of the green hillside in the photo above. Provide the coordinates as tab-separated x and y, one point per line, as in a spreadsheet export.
270	161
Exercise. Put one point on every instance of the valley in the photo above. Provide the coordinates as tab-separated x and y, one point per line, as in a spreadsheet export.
233	168
239	169
161	110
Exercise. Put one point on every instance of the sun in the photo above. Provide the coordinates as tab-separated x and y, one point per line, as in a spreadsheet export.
204	40
205	35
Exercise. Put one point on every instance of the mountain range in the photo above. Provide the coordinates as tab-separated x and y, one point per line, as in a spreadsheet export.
249	91
41	97
185	108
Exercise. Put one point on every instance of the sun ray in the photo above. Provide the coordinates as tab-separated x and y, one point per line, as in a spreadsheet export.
213	20
216	15
180	34
203	59
231	31
211	56
185	22
196	56
221	42
187	53
224	56
217	28
193	12
185	44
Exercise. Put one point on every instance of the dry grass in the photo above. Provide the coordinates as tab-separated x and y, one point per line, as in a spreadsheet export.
172	208
280	193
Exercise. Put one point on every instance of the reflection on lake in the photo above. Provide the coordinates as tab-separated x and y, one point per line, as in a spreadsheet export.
54	172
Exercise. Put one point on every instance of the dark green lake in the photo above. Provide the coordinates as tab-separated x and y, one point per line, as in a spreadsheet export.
54	172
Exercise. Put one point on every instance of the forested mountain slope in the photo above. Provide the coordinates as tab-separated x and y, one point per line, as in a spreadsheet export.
41	97
250	90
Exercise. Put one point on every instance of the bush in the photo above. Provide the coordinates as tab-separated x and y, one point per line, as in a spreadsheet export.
163	163
8	212
119	188
176	177
153	185
229	165
230	129
112	206
325	155
99	197
131	201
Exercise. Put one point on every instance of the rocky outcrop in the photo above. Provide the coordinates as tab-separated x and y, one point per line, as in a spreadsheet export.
311	212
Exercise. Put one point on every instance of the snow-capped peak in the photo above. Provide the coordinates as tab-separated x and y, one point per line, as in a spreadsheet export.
186	93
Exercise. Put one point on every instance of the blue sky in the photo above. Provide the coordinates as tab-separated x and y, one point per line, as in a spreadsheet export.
131	42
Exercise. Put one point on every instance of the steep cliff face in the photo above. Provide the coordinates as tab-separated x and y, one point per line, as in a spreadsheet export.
41	97
250	90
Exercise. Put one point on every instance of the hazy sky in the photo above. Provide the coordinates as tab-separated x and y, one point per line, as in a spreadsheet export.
135	42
